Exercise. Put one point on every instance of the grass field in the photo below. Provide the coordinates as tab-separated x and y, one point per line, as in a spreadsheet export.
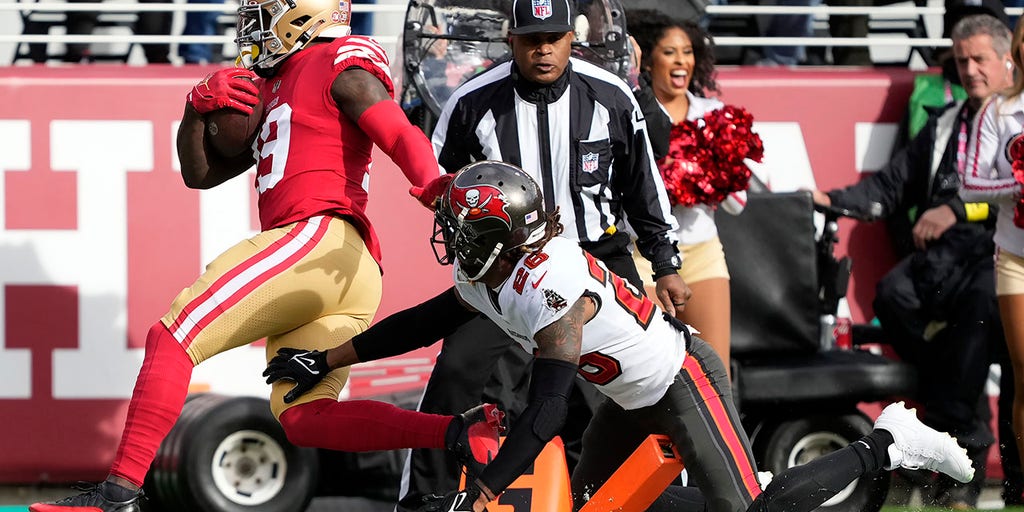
929	509
884	509
332	504
24	508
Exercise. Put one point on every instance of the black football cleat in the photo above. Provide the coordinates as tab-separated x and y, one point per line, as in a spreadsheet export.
473	436
91	500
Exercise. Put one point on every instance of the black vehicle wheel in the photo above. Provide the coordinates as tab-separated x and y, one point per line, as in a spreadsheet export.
228	454
799	441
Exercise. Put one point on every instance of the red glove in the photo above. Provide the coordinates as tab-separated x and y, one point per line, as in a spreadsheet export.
428	195
227	88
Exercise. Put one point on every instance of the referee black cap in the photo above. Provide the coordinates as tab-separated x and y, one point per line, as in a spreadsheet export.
534	16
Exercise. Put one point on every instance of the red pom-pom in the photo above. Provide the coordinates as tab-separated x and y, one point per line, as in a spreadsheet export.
1016	152
1018	214
1018	174
1016	149
705	161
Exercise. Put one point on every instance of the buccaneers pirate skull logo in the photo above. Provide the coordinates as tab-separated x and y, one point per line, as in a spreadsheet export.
480	202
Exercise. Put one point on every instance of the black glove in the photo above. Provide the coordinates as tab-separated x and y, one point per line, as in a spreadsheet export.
305	367
454	501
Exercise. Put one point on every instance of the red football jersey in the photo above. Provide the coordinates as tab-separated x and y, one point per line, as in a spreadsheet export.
311	158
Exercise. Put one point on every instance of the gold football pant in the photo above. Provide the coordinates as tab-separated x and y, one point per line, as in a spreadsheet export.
308	285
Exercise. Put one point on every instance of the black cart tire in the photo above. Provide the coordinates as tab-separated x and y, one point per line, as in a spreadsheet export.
229	454
799	441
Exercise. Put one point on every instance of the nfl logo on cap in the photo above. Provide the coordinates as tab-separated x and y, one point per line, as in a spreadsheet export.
541	9
540	16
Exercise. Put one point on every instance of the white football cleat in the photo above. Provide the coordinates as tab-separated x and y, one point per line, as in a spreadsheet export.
918	446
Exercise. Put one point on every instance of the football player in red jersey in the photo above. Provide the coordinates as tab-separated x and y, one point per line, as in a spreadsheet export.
328	98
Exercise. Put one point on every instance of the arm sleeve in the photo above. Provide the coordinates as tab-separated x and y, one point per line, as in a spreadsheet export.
885	188
390	130
889	186
972	212
641	188
416	327
975	212
983	155
960	209
550	386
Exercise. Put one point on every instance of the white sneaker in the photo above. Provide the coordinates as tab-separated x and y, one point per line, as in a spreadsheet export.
918	446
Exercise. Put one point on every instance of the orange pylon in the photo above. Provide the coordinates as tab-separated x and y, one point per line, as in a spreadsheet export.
632	488
542	488
639	480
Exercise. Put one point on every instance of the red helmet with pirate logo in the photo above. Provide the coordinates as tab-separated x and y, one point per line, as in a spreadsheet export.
489	208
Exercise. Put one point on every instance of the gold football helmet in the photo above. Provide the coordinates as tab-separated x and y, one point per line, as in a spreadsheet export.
271	30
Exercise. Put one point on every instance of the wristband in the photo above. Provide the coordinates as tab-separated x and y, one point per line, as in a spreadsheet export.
667	267
976	212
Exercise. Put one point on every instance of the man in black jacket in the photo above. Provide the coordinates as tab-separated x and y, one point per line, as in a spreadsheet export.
937	306
578	132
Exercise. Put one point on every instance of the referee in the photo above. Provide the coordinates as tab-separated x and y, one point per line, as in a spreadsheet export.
578	131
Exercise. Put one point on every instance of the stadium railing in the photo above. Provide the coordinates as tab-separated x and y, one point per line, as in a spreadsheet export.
912	25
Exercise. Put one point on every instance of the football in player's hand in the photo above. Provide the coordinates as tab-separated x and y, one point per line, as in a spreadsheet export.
231	132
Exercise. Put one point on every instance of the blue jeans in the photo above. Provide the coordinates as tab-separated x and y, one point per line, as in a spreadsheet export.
789	25
362	23
199	24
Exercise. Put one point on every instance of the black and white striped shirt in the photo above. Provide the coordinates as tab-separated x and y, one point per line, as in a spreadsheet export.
582	138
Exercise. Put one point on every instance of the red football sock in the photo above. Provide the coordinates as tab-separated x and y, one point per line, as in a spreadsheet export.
156	404
362	425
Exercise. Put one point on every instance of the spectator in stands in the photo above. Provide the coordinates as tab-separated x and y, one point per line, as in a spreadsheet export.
677	71
155	23
1013	3
989	176
955	10
362	22
199	23
693	10
788	25
937	304
855	26
77	23
935	90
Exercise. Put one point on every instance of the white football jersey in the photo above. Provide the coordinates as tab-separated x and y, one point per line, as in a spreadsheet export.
630	352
